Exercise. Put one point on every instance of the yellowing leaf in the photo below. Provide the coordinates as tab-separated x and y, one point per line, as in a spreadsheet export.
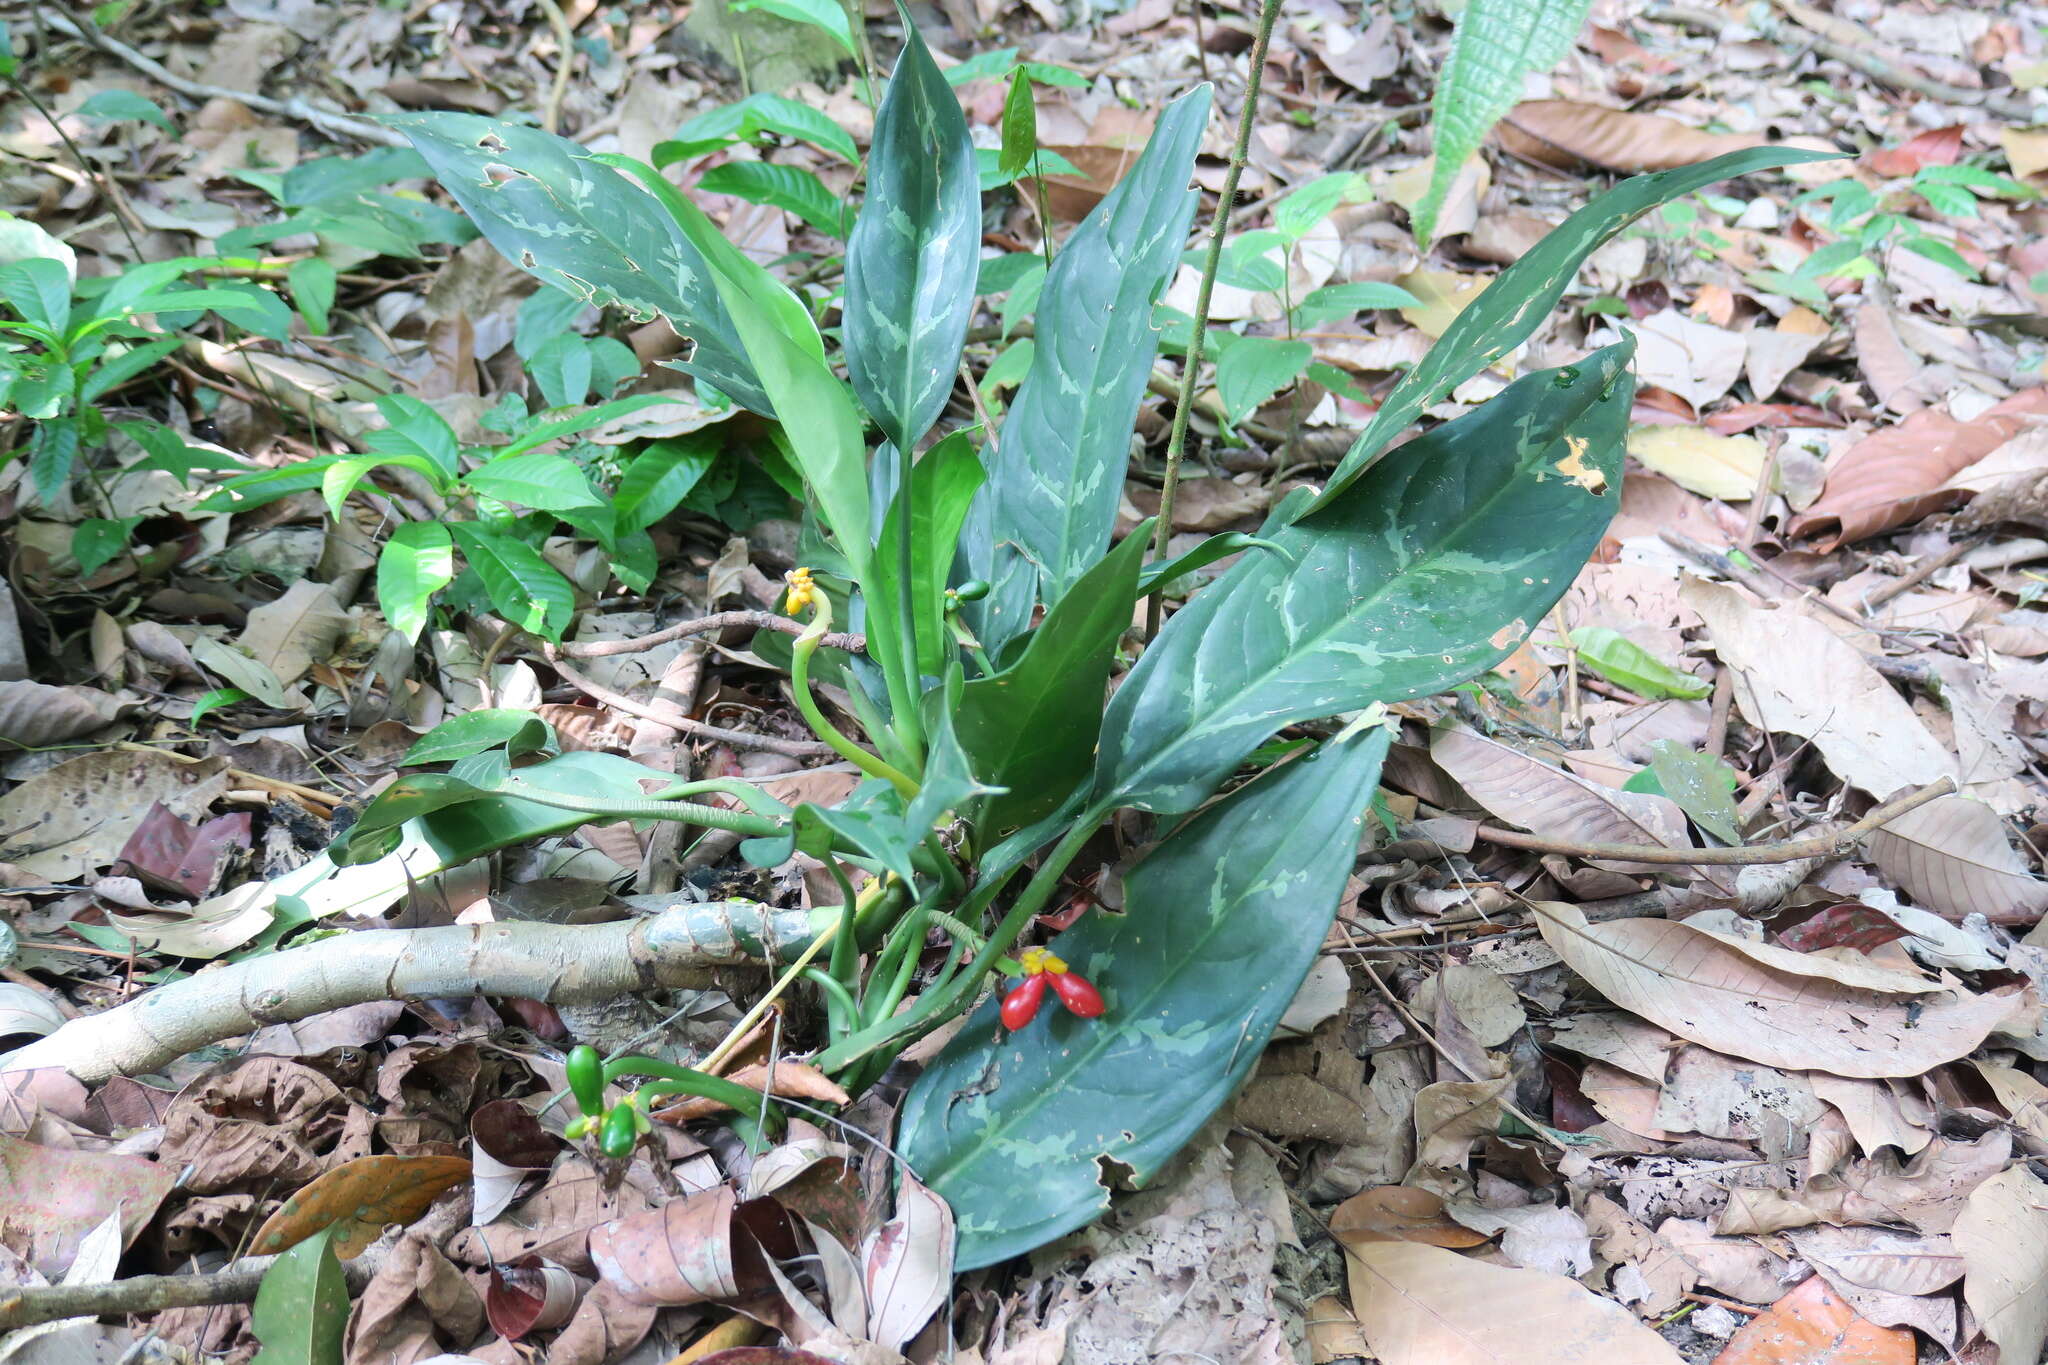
358	1199
2027	150
1444	295
1697	460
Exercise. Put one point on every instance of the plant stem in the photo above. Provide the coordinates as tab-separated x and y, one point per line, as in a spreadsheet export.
113	203
907	725
807	705
1176	445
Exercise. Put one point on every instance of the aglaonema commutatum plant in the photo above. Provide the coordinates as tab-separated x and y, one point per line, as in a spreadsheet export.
991	758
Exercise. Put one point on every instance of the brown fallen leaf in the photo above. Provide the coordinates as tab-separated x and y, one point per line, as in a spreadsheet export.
1951	856
907	1265
1812	1326
359	1200
34	714
1399	1213
708	1247
1423	1305
2003	1237
1567	134
1784	1009
1934	147
53	1198
1895	476
75	818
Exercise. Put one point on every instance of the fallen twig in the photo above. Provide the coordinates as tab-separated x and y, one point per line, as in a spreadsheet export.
27	1305
294	108
1828	845
675	720
705	625
556	963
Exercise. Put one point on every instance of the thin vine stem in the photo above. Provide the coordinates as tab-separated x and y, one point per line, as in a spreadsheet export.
1176	444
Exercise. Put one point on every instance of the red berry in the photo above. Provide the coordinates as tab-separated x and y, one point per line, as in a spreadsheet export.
1020	1006
1078	995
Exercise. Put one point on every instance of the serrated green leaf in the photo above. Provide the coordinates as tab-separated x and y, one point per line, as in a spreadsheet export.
1020	126
1056	474
1496	44
1256	368
661	476
416	429
520	732
1297	214
1521	297
415	563
1220	925
526	589
1431	568
910	262
1625	663
125	366
301	1308
52	456
258	490
556	211
1032	727
39	289
818	14
789	188
345	475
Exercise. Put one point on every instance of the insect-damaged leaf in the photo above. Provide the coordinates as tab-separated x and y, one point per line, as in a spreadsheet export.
1220	925
583	228
1431	568
910	263
1056	474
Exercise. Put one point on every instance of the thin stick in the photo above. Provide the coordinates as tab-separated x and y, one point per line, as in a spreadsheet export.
739	739
1925	570
1790	851
156	71
1176	444
27	1305
565	38
705	625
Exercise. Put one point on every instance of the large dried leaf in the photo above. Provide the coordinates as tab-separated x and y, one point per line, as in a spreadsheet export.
1895	475
1555	804
296	631
1422	1305
1567	134
1399	1213
1882	1258
76	818
53	1198
1793	674
1698	461
2003	1236
1770	1005
358	1200
34	714
1812	1326
907	1264
1951	855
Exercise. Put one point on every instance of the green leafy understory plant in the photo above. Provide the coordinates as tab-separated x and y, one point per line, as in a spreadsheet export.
980	568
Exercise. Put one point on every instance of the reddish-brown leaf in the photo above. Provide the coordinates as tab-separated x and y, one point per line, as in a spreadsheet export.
1812	1326
1895	476
359	1200
172	856
1850	925
1400	1213
1748	416
51	1198
1935	147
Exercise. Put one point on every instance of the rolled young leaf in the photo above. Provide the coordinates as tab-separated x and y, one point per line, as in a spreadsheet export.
1430	569
1056	473
910	262
1219	927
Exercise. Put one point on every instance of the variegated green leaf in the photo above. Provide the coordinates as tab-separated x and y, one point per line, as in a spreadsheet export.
554	211
1220	925
1497	43
910	263
1056	473
1521	297
1432	567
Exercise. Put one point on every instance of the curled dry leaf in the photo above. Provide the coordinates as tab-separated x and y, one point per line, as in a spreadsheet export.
531	1295
794	1079
1567	134
1794	675
907	1263
1895	475
1952	856
359	1200
1422	1305
1399	1213
2002	1234
709	1247
1555	804
1770	1005
34	714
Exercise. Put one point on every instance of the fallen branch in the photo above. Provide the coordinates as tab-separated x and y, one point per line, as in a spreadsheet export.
27	1305
557	963
1830	845
705	625
325	119
676	720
